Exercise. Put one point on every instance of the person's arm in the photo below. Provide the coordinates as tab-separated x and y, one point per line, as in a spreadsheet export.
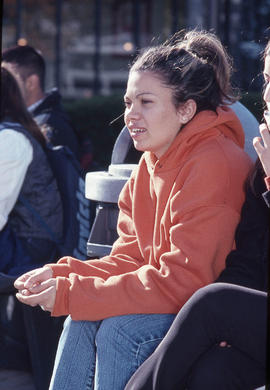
16	153
246	265
148	289
262	147
201	220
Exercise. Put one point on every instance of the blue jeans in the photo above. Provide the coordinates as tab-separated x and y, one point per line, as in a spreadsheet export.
104	354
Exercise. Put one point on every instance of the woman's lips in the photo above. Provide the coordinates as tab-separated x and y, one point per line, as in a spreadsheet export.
136	132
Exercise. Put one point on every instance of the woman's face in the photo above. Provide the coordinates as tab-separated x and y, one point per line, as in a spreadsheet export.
266	74
151	117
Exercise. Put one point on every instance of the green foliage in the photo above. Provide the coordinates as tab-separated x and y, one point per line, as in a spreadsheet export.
254	103
91	118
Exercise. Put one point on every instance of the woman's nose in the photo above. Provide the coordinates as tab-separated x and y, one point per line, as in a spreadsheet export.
132	112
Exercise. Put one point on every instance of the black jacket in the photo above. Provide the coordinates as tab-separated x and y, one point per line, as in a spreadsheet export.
247	265
40	190
59	130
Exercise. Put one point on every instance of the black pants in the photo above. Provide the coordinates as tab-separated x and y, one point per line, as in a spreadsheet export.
28	335
28	339
190	356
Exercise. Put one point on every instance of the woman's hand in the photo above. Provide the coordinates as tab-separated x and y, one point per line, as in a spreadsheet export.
262	147
37	287
31	279
42	294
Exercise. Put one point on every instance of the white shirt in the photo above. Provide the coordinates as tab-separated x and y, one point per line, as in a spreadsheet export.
16	153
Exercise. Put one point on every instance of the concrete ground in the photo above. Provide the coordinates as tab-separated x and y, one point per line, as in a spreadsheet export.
15	380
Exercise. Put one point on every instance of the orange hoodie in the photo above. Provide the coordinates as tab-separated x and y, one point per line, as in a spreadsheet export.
176	226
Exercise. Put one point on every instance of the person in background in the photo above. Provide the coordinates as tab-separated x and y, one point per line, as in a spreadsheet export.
28	335
177	220
219	338
28	67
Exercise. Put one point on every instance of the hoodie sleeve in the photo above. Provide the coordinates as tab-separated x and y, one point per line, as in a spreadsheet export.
198	227
125	255
145	288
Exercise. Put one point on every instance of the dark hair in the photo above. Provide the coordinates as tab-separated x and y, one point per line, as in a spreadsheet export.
195	65
14	108
27	60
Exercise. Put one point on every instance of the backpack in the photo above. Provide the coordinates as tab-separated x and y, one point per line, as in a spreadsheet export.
78	212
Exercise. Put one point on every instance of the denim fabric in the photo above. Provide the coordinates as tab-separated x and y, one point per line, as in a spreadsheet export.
103	355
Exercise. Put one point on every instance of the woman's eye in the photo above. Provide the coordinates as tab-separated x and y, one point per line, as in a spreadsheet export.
144	101
127	104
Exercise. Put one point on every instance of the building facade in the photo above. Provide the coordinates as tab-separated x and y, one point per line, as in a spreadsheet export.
88	45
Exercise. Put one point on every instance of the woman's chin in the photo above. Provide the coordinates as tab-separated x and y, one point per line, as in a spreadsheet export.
138	146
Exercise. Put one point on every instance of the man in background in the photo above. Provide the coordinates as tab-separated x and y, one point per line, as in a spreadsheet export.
28	66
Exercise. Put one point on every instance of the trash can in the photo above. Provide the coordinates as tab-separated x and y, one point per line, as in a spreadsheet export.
104	188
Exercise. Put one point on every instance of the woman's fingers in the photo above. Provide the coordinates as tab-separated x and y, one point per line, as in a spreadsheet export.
262	147
265	135
45	298
19	283
33	278
39	287
257	145
40	276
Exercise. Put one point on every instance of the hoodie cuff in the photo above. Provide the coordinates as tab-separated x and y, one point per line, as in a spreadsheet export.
61	305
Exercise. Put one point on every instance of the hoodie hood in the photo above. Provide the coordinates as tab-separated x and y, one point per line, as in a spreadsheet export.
206	124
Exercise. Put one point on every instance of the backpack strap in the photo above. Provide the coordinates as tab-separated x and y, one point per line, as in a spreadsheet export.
39	219
10	125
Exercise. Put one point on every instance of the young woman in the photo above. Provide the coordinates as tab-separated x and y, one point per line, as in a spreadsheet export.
218	340
25	175
178	214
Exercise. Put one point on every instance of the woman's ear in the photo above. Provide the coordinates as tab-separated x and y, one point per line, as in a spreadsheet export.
32	82
187	111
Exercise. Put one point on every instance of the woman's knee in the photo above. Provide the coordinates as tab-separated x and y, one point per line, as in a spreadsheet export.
212	296
137	335
80	329
115	330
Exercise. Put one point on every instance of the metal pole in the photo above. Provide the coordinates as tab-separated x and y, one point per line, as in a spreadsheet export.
175	15
58	46
96	59
213	15
227	26
136	23
18	20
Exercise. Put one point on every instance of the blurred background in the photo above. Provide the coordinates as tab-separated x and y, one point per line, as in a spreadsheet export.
88	45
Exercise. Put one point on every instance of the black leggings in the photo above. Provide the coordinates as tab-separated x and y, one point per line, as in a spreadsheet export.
190	356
